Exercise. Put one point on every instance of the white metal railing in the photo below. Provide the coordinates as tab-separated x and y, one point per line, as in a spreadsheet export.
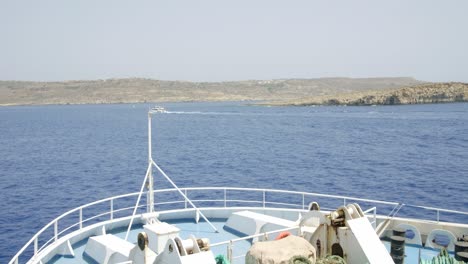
374	216
224	196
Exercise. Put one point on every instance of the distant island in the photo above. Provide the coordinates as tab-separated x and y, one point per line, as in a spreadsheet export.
320	91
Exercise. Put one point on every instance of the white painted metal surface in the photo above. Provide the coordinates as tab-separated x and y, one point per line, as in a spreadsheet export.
159	234
252	223
108	249
374	252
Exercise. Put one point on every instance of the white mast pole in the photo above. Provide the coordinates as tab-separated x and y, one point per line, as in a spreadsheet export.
150	206
149	175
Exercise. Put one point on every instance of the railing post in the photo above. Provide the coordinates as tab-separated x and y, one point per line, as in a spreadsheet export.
56	230
344	201
229	251
225	198
263	199
35	246
303	201
375	218
185	199
112	209
81	218
438	216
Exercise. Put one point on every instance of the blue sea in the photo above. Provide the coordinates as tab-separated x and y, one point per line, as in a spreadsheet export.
55	158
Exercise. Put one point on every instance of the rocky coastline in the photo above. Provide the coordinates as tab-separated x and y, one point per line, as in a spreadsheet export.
428	93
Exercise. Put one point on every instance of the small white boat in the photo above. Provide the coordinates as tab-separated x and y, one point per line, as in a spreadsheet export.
241	225
157	109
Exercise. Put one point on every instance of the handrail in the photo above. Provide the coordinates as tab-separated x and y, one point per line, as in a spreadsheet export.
374	215
221	196
36	236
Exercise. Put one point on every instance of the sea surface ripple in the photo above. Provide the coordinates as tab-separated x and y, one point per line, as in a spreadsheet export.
55	158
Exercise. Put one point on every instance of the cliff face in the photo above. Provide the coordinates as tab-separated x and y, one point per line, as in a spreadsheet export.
418	94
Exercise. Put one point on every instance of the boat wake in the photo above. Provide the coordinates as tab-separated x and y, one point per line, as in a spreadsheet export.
204	113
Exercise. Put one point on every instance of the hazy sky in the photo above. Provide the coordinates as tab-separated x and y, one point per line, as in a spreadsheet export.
213	40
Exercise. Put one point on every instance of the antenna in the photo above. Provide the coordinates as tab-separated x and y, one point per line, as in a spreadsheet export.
150	200
149	179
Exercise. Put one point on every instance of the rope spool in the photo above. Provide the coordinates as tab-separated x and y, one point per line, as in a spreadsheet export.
461	247
142	240
398	231
462	256
397	249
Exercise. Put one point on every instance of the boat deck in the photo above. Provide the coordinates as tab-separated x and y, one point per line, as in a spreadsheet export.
187	227
203	230
217	204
